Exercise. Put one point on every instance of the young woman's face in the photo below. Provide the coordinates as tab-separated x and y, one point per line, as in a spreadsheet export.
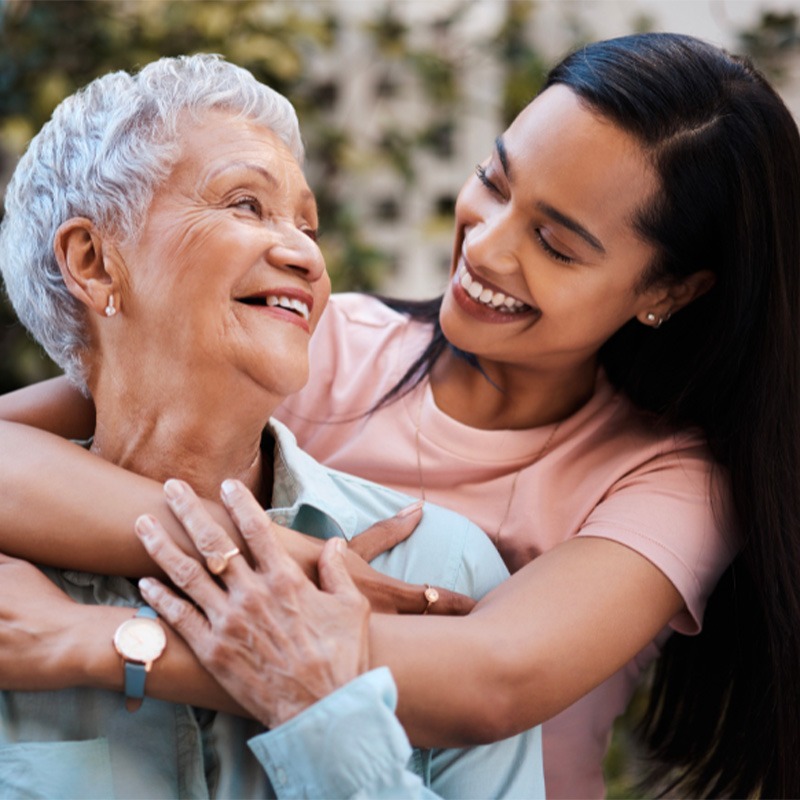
547	264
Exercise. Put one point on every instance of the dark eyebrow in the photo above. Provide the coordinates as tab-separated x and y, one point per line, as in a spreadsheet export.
571	224
546	208
500	146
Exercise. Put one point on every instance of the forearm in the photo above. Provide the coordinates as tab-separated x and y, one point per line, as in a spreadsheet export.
52	405
532	647
64	507
89	659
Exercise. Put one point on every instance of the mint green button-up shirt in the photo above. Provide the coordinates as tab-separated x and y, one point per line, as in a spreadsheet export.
83	743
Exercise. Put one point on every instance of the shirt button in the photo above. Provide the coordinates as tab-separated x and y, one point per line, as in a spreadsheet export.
281	775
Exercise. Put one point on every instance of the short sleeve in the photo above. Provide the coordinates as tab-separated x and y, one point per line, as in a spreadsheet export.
674	511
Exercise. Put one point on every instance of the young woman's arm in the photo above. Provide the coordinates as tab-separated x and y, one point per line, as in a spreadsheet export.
65	507
54	405
533	646
545	637
48	641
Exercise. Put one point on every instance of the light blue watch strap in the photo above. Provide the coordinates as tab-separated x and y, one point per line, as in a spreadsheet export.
135	674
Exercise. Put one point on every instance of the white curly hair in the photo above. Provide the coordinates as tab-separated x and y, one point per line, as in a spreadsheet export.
102	155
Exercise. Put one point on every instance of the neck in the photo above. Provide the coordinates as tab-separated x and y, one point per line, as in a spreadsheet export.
514	397
187	434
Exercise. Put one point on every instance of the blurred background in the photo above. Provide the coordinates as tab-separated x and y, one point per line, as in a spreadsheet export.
398	100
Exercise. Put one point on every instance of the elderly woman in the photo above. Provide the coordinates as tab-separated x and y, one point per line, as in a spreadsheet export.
159	242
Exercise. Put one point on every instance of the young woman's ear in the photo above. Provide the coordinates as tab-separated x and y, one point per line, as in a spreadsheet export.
87	272
669	300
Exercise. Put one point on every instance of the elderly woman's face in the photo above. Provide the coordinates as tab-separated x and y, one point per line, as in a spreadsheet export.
226	279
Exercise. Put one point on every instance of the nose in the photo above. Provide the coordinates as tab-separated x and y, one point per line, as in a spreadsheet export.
298	252
491	234
491	243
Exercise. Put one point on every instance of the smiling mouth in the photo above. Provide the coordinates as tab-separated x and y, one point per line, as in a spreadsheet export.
292	304
504	303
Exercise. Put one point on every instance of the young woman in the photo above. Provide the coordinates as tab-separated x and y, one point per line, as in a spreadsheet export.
609	387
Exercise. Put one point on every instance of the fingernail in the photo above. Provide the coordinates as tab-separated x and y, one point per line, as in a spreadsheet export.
339	545
409	510
146	585
173	489
145	526
229	489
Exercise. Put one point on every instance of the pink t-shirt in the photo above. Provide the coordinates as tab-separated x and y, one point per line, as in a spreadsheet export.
604	473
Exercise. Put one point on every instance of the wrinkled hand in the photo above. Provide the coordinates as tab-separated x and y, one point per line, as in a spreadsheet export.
36	618
267	634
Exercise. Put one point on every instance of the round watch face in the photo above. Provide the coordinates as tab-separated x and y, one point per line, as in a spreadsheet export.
140	639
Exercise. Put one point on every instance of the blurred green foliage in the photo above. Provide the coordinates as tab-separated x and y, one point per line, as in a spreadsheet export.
773	42
50	48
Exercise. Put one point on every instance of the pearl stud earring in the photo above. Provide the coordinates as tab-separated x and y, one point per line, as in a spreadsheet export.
655	321
110	309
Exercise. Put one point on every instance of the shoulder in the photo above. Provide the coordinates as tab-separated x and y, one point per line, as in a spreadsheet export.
364	310
358	352
355	321
669	501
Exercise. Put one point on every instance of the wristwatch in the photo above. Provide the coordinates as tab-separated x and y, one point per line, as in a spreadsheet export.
140	641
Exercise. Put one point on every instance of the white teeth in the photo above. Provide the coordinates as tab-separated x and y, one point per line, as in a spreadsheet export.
498	300
289	303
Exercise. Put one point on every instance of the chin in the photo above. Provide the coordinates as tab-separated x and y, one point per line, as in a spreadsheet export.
291	381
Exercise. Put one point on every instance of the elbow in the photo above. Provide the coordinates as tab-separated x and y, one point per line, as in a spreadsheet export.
506	702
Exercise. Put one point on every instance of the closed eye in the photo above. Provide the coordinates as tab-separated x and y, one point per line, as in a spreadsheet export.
550	250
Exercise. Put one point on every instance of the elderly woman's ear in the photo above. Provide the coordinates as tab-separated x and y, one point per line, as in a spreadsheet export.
86	259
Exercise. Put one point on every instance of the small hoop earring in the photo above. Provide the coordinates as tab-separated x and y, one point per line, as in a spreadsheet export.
110	310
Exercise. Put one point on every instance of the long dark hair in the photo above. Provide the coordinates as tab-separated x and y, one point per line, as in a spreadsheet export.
724	711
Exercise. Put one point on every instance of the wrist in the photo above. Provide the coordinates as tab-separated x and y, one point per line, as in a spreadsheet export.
91	659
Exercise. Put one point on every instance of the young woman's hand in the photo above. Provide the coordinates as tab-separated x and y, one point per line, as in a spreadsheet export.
40	629
386	595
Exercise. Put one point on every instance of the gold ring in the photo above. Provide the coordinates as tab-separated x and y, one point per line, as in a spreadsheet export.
217	563
431	595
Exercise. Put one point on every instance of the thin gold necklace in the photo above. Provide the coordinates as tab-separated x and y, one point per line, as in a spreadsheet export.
545	447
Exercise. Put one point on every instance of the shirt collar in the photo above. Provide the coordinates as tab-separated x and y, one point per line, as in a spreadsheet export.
304	492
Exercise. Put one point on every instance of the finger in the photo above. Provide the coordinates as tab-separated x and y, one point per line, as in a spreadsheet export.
257	529
384	535
209	538
187	573
451	604
179	614
333	575
411	599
